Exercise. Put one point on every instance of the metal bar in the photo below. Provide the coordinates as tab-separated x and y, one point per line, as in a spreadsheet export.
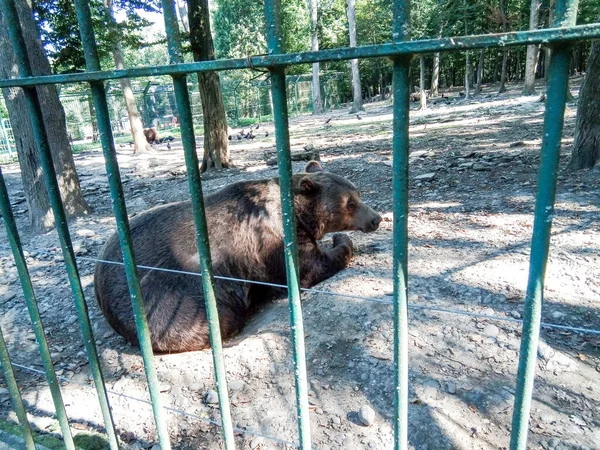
88	40
529	37
49	173
556	96
15	394
34	313
400	148
188	139
284	164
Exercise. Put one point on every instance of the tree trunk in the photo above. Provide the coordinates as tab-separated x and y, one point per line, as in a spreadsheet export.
40	213
183	15
216	150
467	57
316	84
422	82
467	75
354	72
503	71
95	133
140	145
532	51
586	147
435	76
479	72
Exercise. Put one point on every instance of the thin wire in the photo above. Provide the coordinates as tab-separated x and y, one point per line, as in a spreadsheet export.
174	410
358	297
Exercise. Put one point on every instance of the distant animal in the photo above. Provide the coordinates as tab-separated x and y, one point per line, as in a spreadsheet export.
246	241
151	135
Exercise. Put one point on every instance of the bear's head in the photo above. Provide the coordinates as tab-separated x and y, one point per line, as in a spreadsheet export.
327	203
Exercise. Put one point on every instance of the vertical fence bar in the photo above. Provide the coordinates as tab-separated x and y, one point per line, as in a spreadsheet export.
556	96
401	87
34	313
41	141
284	164
191	160
84	19
15	394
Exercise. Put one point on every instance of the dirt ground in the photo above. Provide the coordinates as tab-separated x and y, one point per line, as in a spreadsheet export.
473	181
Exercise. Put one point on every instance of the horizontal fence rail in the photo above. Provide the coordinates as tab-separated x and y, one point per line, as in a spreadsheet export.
457	43
400	50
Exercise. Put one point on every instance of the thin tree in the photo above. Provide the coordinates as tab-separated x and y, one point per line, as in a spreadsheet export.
182	9
40	212
354	71
468	68
216	150
479	71
532	50
423	95
435	75
314	46
586	148
503	14
137	128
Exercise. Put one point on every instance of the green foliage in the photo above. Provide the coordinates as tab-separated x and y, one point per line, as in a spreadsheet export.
57	22
240	27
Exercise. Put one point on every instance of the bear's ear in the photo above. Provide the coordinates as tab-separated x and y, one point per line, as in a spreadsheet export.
308	186
313	166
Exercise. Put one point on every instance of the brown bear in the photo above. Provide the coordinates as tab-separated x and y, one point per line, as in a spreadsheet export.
151	135
246	241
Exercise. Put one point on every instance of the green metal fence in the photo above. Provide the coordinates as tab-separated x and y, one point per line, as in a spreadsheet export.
400	50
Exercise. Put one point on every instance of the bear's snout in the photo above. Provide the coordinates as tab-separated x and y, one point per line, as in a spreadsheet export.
375	222
370	220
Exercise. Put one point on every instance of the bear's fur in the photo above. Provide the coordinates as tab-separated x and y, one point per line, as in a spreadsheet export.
246	242
151	134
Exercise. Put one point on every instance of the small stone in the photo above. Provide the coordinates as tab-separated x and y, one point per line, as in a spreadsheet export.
165	387
3	391
429	392
254	443
515	314
86	233
545	352
156	447
366	415
318	411
491	330
211	397
413	297
425	177
195	387
451	388
79	247
489	312
236	385
419	153
476	338
8	296
336	420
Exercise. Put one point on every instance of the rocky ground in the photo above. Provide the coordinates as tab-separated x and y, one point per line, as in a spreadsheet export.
473	180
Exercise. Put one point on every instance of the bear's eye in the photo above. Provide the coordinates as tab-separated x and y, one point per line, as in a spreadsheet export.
351	206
